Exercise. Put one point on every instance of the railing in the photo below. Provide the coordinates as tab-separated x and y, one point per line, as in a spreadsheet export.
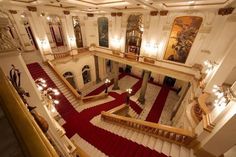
94	97
30	137
208	125
168	133
61	55
68	85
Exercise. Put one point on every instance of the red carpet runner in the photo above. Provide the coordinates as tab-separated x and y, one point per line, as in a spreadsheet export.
158	105
109	143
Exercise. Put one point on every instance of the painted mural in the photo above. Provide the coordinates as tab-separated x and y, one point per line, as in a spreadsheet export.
182	36
134	34
103	31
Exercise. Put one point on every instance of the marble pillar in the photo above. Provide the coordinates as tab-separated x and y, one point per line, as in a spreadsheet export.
98	79
146	76
115	69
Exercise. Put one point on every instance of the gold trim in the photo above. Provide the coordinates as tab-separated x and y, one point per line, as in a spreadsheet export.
84	1
22	1
189	5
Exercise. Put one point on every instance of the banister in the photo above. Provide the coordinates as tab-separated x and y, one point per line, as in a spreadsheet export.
208	125
176	135
202	102
68	85
31	138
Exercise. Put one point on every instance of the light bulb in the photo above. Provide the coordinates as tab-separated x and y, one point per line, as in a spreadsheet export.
56	102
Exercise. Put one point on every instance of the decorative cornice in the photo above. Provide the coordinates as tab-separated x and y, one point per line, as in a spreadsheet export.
30	8
113	14
119	14
116	14
225	11
164	12
153	13
13	11
90	15
66	12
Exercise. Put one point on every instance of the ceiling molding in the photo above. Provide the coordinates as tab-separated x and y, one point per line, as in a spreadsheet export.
195	4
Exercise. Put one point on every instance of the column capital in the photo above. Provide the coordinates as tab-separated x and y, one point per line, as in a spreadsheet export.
66	12
12	11
164	12
33	9
153	13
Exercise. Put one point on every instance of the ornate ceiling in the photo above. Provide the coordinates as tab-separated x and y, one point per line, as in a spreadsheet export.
124	5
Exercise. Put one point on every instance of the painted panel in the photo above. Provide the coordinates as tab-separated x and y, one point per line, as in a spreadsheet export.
77	30
103	32
182	36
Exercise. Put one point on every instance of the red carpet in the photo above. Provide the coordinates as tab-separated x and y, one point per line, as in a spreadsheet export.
158	105
109	143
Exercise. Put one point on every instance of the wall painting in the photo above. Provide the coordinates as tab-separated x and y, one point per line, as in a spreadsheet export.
182	36
103	31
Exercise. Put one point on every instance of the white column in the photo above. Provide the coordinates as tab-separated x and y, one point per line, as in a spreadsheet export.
70	32
40	35
146	76
115	68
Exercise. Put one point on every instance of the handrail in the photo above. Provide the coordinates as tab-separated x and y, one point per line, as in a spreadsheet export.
171	134
118	109
202	102
208	125
61	55
31	138
94	97
68	85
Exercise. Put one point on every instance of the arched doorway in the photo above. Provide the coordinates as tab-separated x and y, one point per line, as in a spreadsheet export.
70	78
55	27
86	74
169	81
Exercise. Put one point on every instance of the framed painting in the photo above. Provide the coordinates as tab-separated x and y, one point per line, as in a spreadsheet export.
183	33
103	32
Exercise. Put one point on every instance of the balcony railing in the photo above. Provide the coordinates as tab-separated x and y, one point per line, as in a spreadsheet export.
168	133
31	138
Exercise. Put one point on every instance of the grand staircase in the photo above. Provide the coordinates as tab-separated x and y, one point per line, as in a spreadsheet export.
121	140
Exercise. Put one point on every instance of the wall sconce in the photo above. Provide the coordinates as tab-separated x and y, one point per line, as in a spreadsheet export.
22	15
221	96
116	43
151	48
209	65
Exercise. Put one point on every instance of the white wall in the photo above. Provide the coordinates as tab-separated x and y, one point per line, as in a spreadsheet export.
75	66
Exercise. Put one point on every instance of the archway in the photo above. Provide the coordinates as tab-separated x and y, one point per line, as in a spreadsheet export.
134	34
70	78
86	74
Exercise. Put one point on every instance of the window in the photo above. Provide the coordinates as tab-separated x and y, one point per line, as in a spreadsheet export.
86	74
70	78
